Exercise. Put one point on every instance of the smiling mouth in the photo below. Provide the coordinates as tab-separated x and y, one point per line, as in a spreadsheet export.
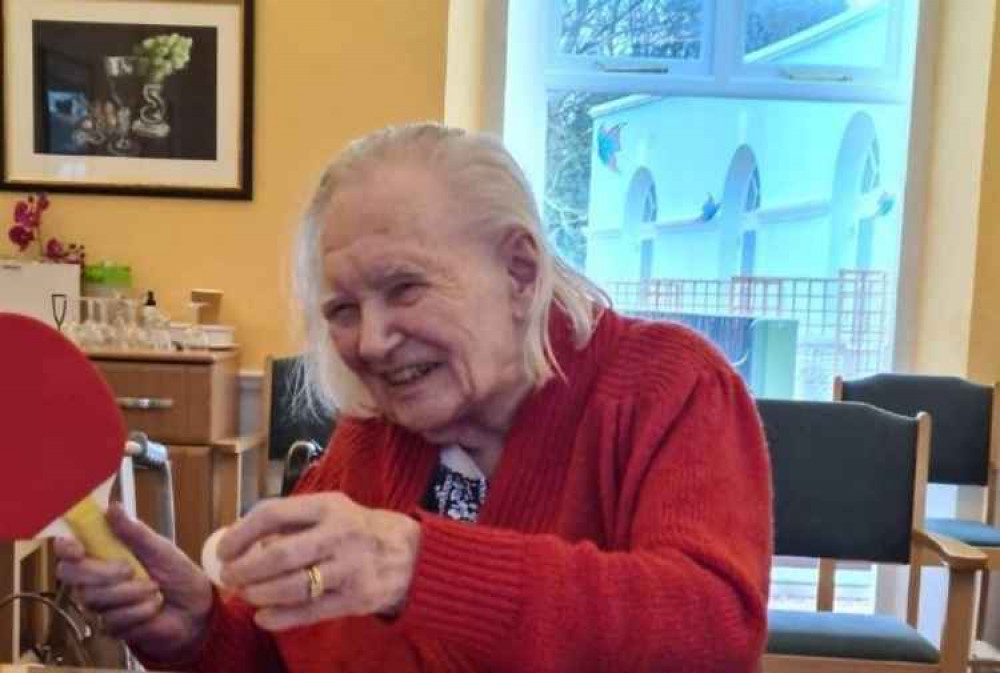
407	375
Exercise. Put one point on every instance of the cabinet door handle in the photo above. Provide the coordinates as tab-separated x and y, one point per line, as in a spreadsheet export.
144	402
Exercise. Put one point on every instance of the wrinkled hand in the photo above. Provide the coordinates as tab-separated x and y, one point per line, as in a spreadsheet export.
365	556
164	616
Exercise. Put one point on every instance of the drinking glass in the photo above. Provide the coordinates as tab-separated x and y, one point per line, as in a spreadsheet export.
75	328
60	304
126	88
89	331
103	332
195	337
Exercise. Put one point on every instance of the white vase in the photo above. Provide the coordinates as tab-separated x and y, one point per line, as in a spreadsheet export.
152	121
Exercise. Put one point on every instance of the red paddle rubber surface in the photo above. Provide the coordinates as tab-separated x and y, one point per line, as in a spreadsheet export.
61	433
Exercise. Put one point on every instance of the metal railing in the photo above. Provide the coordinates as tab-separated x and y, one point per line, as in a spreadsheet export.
844	323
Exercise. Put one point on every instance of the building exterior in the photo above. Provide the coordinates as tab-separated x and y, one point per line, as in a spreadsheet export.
762	208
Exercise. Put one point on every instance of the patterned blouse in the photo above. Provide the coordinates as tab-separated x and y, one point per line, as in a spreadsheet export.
458	488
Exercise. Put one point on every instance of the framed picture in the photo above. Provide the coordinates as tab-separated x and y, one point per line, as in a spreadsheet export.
144	97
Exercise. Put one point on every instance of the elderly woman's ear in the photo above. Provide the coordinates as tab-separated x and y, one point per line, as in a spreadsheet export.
519	254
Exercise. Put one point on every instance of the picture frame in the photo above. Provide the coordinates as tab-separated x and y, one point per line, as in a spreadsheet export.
138	97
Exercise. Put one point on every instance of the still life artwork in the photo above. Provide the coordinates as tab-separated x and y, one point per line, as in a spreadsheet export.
150	97
125	90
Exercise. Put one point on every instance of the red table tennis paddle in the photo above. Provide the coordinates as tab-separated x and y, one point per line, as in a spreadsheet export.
61	434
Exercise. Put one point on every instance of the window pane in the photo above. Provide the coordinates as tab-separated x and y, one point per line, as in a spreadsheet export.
846	33
631	28
567	169
783	252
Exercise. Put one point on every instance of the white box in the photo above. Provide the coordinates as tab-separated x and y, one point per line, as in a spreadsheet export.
27	288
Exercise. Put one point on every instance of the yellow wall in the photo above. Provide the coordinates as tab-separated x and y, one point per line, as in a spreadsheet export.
476	64
984	345
463	104
327	71
953	285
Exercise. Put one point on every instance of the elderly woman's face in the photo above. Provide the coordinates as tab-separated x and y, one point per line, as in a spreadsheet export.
419	307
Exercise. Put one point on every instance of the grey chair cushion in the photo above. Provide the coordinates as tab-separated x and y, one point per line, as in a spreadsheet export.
846	636
960	410
975	533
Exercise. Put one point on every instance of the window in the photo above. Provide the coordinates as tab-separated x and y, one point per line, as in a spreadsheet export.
738	160
860	201
663	119
641	206
748	242
738	215
790	39
751	204
873	204
649	205
636	37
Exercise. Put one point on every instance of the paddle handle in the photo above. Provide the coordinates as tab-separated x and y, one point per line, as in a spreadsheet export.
91	528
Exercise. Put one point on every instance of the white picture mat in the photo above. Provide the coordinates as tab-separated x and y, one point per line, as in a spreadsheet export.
24	165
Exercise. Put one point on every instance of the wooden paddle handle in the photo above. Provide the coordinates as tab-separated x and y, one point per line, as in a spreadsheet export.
91	528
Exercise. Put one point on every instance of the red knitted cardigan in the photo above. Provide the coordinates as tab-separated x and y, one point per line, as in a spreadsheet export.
627	528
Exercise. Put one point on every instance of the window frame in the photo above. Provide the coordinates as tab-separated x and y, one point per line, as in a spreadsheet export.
721	71
574	64
884	76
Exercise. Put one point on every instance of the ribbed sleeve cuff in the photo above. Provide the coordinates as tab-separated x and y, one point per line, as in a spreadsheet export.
467	586
226	634
229	634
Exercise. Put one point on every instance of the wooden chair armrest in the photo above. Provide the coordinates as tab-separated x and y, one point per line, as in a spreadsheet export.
952	552
240	443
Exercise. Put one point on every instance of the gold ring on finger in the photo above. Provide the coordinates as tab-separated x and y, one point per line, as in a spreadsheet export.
315	578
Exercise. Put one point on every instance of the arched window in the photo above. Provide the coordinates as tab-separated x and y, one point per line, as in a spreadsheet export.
741	199
871	177
646	246
641	206
649	204
869	207
748	235
860	200
752	202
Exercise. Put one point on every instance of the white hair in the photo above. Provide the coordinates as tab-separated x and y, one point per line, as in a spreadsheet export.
477	169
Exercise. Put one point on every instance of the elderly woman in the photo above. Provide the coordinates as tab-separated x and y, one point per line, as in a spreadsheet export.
522	479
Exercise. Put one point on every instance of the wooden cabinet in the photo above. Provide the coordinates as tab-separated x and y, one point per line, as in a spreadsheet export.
24	567
189	402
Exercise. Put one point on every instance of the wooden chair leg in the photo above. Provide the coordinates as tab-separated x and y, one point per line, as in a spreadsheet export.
956	638
984	603
826	587
913	593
